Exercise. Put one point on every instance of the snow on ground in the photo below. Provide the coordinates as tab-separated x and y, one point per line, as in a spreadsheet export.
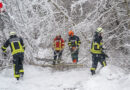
38	78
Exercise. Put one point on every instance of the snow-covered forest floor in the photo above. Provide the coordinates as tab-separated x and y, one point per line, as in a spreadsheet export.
37	78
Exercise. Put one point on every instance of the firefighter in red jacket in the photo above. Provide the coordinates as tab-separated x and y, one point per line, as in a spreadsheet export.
58	46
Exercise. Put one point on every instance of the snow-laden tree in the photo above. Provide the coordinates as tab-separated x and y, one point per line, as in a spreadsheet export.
38	22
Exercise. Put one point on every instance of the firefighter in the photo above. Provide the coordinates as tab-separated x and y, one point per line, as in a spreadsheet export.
97	50
74	43
2	9
58	46
17	49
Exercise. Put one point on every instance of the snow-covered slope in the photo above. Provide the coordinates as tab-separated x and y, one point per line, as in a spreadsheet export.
37	78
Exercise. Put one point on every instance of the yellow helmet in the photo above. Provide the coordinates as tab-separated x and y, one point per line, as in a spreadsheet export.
99	30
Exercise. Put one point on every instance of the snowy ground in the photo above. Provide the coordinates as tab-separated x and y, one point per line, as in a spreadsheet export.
37	78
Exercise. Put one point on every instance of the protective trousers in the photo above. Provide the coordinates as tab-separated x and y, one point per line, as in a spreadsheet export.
57	54
97	58
18	64
74	55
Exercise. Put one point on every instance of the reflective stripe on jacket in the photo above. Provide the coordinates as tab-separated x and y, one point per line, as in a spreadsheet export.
16	44
96	48
58	44
74	41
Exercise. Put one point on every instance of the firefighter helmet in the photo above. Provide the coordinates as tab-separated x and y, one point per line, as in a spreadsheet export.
71	33
99	30
12	33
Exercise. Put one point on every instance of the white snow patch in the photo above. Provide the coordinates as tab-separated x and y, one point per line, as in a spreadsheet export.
37	78
45	53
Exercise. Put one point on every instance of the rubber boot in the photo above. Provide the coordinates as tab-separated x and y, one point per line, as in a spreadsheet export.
92	72
74	61
17	78
21	74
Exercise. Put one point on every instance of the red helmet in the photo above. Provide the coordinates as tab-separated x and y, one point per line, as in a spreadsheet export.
71	33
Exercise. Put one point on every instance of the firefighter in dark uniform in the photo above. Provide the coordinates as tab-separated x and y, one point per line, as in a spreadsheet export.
17	49
74	43
97	50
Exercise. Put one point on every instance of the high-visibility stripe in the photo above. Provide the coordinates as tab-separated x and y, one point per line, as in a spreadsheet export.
98	47
14	51
93	69
79	42
4	51
15	75
69	44
63	45
12	44
76	43
104	64
21	70
4	47
60	46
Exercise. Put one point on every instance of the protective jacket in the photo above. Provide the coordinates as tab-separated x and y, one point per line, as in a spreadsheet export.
58	44
96	46
16	44
74	41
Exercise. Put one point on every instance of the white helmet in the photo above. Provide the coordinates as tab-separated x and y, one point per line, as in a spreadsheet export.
99	30
12	33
